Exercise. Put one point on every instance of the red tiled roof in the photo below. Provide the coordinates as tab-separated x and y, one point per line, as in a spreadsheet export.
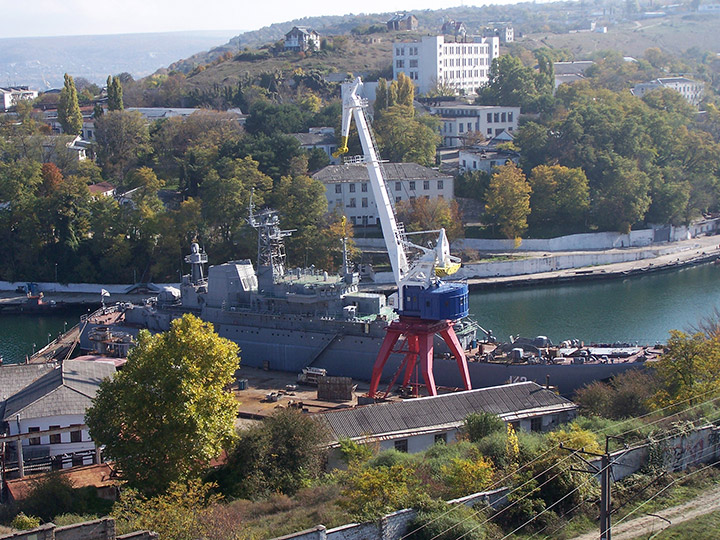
97	476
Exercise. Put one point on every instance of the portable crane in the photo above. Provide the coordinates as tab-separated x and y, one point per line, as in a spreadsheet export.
426	306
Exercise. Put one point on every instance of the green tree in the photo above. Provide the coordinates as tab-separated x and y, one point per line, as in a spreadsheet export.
402	138
509	200
477	426
168	412
512	84
122	142
114	94
283	454
371	492
69	114
423	214
689	369
558	194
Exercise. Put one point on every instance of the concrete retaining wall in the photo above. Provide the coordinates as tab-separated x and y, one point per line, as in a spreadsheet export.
85	288
98	529
575	242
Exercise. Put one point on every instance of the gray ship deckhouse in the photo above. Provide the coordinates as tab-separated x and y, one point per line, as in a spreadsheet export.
415	424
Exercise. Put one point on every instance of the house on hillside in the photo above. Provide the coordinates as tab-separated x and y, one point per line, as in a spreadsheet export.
403	21
692	91
462	124
568	72
347	188
101	189
319	137
11	95
413	425
432	61
302	38
454	28
55	399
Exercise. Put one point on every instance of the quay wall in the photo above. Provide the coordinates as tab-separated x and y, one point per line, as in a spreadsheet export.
575	242
80	288
551	263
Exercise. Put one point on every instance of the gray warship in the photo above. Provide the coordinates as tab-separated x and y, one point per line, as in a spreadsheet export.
282	319
290	320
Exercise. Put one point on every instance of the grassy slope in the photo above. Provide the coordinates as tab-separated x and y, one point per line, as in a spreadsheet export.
702	528
674	34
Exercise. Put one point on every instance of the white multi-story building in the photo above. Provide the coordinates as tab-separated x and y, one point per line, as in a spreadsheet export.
432	62
347	188
692	91
9	97
461	122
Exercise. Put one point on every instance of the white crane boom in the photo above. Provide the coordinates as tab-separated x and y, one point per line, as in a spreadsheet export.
353	105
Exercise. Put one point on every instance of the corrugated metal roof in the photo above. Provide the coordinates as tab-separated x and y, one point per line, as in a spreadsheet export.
393	172
508	401
65	390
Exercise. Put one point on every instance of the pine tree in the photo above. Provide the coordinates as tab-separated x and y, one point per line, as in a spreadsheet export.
69	114
115	94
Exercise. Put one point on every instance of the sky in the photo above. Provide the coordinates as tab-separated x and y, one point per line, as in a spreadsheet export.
83	17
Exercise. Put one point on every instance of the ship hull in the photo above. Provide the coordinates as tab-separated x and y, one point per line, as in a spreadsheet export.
349	348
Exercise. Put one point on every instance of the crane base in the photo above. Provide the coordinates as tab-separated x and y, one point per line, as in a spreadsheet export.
419	335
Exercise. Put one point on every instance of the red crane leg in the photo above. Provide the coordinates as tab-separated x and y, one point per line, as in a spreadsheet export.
448	335
388	343
410	357
426	361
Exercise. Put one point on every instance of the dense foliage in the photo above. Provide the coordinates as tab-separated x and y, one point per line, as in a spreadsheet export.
169	411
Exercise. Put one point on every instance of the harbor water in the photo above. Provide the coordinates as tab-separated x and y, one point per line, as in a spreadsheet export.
640	309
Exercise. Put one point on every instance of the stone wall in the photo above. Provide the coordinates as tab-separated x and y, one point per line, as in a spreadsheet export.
98	529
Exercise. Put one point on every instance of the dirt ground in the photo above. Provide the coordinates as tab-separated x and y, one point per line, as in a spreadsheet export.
647	525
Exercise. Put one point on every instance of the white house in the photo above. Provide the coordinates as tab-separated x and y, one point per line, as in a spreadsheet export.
568	72
301	38
10	96
431	62
347	188
57	398
485	159
462	122
413	425
691	90
319	137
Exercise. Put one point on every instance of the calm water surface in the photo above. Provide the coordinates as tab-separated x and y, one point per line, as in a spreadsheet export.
642	309
20	333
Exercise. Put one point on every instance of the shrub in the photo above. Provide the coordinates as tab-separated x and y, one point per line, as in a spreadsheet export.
437	521
49	496
479	425
25	523
389	458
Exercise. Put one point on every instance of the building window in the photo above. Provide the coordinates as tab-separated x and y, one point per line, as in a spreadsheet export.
364	202
76	436
399	64
55	439
398	186
426	184
338	188
441	438
536	424
489	131
510	116
413	63
461	127
398	199
412	185
489	118
441	184
363	187
496	117
352	188
34	440
351	204
401	445
502	117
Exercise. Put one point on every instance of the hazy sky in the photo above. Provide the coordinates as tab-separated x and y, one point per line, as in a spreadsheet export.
80	17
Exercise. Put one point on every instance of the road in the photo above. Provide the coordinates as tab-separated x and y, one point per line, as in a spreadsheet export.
646	525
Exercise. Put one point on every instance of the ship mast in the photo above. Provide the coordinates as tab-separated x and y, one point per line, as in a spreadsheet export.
271	246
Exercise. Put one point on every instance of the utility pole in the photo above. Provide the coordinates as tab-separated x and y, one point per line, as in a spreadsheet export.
605	474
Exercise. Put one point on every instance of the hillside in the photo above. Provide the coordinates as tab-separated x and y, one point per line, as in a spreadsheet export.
526	16
673	33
